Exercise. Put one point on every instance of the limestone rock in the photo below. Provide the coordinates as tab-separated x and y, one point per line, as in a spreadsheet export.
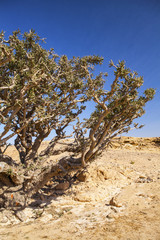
82	176
83	197
62	186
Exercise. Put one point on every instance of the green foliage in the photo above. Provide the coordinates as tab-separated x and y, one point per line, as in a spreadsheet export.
41	91
122	102
116	109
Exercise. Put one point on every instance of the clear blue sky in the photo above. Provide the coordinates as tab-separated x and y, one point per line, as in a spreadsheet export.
115	29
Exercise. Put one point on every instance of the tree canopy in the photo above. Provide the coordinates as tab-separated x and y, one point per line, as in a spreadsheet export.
41	91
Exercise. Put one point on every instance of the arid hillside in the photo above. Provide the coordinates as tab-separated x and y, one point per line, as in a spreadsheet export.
116	197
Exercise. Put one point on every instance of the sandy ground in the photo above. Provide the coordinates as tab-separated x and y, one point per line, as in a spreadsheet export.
118	197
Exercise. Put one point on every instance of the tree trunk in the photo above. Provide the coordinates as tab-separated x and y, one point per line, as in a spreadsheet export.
23	186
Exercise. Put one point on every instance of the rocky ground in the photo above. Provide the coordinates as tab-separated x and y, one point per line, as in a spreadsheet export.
116	197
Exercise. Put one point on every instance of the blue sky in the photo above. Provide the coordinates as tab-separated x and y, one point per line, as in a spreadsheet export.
115	29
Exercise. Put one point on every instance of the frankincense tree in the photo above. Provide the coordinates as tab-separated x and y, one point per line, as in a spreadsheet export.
41	92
